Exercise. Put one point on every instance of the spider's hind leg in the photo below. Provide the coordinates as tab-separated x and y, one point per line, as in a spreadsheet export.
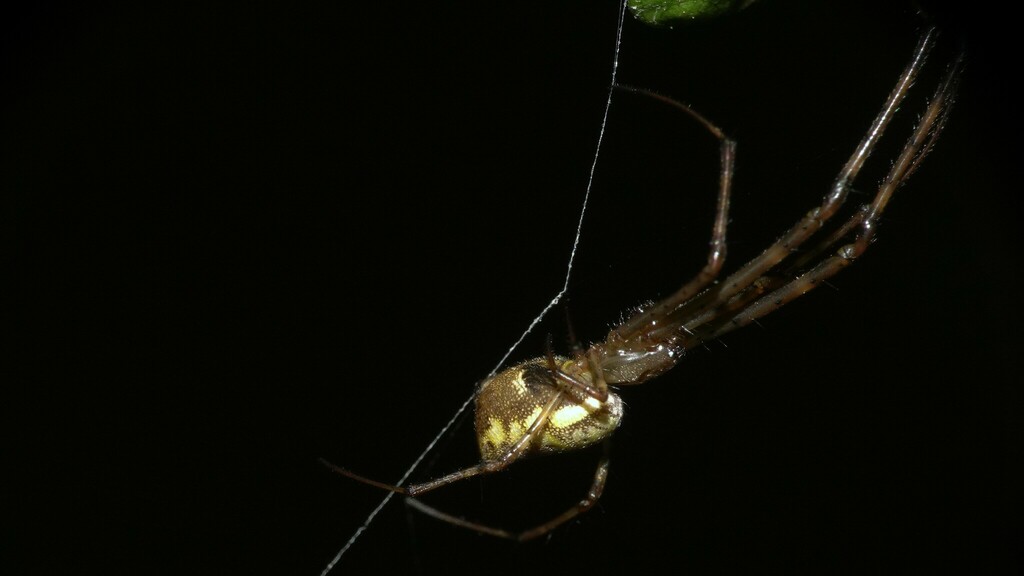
585	504
510	455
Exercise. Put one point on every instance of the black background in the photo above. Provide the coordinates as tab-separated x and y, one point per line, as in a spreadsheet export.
240	239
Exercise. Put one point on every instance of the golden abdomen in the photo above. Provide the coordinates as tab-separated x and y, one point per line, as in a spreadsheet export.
509	403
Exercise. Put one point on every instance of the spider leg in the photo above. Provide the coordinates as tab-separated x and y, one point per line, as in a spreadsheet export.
643	322
486	467
866	219
644	344
588	501
922	141
717	302
598	390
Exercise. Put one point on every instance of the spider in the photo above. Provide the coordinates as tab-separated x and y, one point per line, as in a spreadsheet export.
554	404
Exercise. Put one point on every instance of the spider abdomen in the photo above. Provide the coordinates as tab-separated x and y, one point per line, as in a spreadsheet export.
508	404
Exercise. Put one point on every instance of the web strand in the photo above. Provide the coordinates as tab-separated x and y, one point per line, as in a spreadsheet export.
533	324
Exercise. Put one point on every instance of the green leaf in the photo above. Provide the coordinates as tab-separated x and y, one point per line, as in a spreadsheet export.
664	12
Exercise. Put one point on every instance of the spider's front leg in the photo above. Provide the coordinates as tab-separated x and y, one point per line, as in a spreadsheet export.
804	272
651	340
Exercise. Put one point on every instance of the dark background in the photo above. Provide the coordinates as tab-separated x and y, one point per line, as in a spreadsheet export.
240	239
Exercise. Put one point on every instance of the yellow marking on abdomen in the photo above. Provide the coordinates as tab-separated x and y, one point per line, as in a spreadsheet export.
519	384
568	415
495	432
517	428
